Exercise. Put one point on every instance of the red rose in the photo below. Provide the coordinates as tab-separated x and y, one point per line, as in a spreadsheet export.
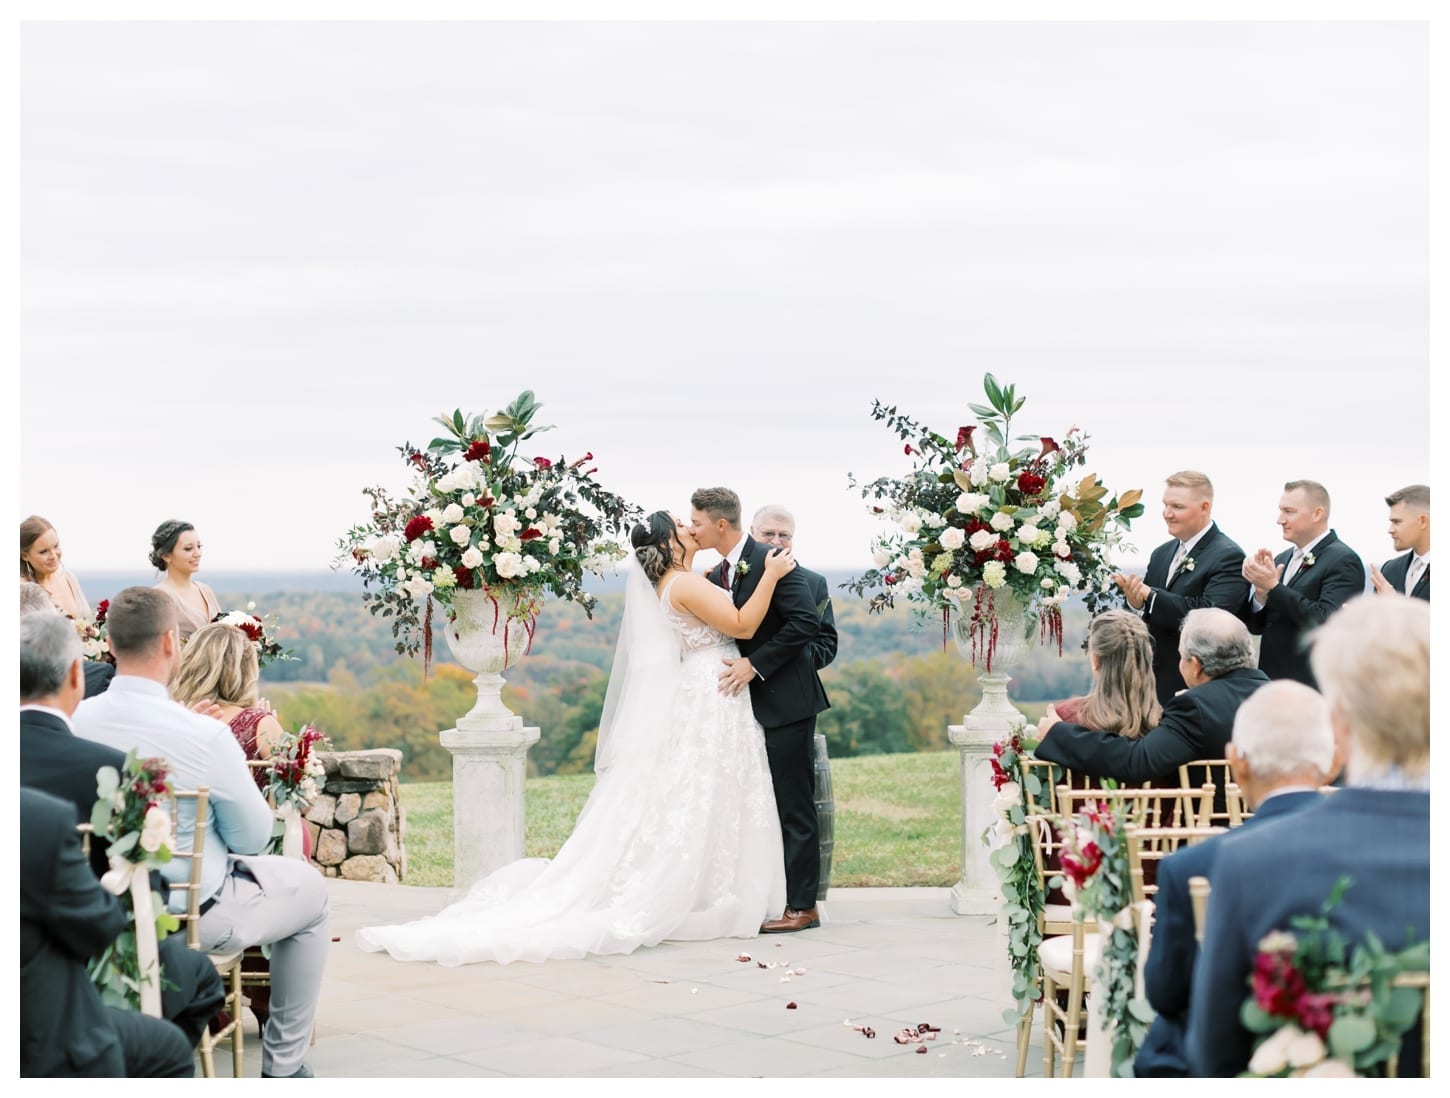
477	450
463	578
973	525
1316	1012
888	579
1029	484
1004	551
530	534
417	526
428	563
543	463
101	609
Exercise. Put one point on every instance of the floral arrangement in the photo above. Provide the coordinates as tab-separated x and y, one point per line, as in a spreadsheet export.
259	631
975	531
130	817
94	641
1324	1009
292	779
1023	900
1094	861
480	516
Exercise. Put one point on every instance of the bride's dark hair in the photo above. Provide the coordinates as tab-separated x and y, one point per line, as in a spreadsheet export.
654	540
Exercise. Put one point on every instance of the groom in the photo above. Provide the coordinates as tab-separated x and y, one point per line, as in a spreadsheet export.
785	692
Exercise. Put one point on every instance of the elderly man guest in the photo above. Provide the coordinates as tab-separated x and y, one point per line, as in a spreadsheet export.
1372	660
774	525
1199	566
1292	593
56	761
247	899
1216	660
1408	574
1281	753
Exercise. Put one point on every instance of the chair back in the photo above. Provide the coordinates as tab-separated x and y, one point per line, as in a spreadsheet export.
1417	981
1147	846
1049	776
1215	773
191	920
1145	806
1198	890
1047	843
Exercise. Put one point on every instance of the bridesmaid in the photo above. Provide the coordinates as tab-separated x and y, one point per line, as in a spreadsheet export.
40	563
176	550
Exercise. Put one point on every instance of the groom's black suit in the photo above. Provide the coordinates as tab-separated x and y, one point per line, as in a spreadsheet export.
786	695
1216	579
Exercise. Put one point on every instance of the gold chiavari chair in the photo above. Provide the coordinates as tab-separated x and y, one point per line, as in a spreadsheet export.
1145	806
1198	890
1050	776
228	963
1214	772
1149	845
1418	981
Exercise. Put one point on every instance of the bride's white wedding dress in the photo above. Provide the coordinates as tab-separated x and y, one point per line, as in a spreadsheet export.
679	838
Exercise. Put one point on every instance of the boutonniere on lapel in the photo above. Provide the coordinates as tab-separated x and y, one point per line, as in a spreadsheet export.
1186	564
741	569
1307	562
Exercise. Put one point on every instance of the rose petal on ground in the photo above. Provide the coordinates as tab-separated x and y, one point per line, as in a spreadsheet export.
920	1048
743	957
790	1006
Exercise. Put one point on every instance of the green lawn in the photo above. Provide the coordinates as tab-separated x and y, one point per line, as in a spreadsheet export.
897	821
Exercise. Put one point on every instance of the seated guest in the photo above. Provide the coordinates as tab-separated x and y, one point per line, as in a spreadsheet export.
1122	698
40	563
1372	660
66	919
1409	573
176	551
1282	752
1292	593
248	899
34	600
1216	659
219	664
56	761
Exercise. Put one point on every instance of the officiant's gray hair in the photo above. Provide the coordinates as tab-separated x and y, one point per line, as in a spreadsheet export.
773	511
49	646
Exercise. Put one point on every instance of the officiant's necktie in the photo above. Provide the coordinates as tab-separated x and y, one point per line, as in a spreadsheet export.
725	574
1295	560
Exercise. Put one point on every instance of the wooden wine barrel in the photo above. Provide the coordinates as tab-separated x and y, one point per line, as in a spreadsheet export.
825	814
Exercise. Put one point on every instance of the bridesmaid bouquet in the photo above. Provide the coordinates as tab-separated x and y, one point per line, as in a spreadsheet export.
94	643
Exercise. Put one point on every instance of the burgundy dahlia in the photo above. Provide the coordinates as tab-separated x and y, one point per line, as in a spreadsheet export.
417	526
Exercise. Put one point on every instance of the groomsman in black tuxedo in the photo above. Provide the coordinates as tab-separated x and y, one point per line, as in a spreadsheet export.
1373	659
1197	568
785	692
1409	530
1282	752
1292	593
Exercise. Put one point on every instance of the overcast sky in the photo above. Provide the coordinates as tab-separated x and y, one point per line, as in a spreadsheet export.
256	257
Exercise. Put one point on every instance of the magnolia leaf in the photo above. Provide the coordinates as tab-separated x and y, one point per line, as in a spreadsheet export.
1132	512
1350	1034
1130	497
496	423
994	391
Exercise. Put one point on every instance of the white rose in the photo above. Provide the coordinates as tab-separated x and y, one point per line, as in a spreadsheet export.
1050	509
1330	1069
435	515
1273	1055
1004	830
981	540
969	503
416	552
1010	793
505	524
953	538
1067	521
954	580
979	472
1030	535
910	521
509	565
930	518
909	586
1000	473
881	556
916	566
460	535
554	544
469	499
1062	549
1026	562
1048	583
472	558
418	586
453	513
1305	1050
994	573
385	548
531	514
1002	521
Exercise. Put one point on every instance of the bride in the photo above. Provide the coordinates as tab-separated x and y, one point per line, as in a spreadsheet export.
679	838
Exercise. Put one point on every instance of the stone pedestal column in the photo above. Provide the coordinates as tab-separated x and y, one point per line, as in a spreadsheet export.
489	763
976	892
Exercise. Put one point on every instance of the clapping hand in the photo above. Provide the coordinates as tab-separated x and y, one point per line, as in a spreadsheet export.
1262	572
1382	586
1133	588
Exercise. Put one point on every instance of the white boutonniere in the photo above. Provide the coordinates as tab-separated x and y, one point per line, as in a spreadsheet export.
1308	561
1186	564
741	569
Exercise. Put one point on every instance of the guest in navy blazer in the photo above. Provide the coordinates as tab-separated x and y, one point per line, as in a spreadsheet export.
1373	659
1282	752
1198	566
1409	574
1292	593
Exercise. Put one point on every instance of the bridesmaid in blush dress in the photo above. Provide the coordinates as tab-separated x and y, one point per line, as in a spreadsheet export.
40	557
176	551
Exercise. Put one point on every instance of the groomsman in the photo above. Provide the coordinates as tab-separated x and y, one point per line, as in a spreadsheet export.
1197	568
1292	593
1409	529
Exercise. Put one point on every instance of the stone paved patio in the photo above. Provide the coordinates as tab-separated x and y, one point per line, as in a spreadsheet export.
887	958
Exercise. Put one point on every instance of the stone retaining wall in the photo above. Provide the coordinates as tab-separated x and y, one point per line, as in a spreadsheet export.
356	823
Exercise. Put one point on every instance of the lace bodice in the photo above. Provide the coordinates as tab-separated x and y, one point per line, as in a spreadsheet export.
694	633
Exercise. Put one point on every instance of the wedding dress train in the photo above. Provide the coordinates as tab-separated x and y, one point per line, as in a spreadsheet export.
678	840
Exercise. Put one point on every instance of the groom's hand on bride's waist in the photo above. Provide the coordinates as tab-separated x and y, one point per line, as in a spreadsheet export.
737	675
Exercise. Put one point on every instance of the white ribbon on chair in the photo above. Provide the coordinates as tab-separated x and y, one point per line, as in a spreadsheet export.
291	831
126	876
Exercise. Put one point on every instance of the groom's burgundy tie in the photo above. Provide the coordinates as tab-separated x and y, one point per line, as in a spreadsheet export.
725	574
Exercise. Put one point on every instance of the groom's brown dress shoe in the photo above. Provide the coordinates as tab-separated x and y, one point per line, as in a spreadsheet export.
792	920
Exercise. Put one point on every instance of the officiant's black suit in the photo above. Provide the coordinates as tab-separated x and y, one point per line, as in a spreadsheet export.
55	760
1397	569
1294	608
1216	579
786	695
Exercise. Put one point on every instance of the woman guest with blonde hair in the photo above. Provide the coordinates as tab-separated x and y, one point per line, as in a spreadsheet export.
176	551
40	563
219	664
1123	698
